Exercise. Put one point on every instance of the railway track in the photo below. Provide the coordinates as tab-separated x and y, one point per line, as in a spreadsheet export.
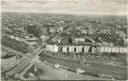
89	68
25	62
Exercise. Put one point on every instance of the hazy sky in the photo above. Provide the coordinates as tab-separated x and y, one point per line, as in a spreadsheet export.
110	7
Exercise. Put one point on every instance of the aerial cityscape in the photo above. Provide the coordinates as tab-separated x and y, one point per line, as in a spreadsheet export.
45	46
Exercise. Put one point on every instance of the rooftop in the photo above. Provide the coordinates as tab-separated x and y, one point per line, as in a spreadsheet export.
68	39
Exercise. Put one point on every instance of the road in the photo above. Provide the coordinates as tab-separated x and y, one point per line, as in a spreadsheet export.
26	61
117	72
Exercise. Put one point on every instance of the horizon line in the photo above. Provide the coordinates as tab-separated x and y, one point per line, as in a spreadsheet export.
64	13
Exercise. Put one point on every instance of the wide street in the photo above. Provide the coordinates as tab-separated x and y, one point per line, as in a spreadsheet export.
25	62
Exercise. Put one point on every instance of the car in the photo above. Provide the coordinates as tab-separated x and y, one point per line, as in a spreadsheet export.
106	76
57	66
80	71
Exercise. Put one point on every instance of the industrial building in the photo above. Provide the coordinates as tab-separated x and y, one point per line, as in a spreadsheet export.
68	48
81	44
85	49
72	44
113	49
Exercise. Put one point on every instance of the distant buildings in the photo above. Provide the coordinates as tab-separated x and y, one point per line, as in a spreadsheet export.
91	32
55	29
105	31
52	30
79	39
105	43
126	41
84	31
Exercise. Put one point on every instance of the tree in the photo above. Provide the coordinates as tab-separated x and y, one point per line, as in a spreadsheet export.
34	29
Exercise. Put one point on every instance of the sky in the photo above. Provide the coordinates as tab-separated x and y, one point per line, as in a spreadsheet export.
97	7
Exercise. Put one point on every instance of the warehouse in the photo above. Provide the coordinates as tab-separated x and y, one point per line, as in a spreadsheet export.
65	48
70	48
71	44
113	49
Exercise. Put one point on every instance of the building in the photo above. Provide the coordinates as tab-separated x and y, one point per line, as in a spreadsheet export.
105	31
126	41
70	48
44	38
81	46
108	49
79	39
84	31
71	44
90	31
52	30
32	42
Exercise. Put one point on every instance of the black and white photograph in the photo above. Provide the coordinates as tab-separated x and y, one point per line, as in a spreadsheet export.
64	40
